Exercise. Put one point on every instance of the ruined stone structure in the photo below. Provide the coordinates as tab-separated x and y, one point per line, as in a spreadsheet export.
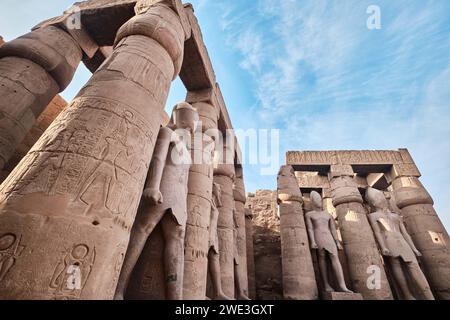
67	209
95	205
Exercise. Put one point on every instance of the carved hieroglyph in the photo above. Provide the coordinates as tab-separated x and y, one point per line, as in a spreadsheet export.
82	181
426	230
33	69
299	282
224	175
199	206
358	240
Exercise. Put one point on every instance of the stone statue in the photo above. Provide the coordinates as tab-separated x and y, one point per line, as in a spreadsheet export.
165	196
323	237
213	253
238	277
397	246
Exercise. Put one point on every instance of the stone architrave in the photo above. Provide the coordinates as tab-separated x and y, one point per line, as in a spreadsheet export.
358	239
426	230
241	243
71	202
250	253
299	281
199	203
33	69
224	175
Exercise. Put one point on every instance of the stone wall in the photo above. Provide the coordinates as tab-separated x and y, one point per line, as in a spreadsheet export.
267	244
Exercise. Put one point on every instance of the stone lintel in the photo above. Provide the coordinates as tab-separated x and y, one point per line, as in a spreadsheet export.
197	72
341	296
402	170
339	170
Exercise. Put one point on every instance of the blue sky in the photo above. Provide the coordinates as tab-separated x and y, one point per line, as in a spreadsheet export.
313	70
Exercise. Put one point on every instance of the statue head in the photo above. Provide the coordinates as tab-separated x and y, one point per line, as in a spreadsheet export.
316	201
217	193
185	116
376	198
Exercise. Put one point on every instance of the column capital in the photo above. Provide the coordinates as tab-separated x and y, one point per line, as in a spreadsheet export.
402	170
338	170
288	189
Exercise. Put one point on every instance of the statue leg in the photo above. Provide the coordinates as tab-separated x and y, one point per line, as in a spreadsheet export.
339	273
324	270
238	281
420	280
173	256
214	271
140	232
400	278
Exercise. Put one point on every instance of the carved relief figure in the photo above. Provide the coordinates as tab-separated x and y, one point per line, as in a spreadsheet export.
238	276
397	246
213	253
323	237
165	197
72	272
10	250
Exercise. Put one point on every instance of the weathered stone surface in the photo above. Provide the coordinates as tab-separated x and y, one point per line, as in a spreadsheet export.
267	245
427	232
241	245
102	141
250	253
299	281
341	296
358	240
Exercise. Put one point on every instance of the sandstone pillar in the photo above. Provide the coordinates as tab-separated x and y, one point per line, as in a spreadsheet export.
425	229
250	254
224	175
358	239
239	203
199	202
299	281
67	209
33	69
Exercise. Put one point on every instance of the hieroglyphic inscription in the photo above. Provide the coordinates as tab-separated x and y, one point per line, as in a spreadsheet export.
10	250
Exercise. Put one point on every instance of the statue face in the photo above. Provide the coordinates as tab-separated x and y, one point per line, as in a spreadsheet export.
376	198
186	118
316	200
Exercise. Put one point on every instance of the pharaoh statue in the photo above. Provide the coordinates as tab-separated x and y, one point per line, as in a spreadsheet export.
397	246
164	201
323	237
238	276
213	253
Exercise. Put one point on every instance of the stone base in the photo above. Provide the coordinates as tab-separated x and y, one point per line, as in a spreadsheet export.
341	296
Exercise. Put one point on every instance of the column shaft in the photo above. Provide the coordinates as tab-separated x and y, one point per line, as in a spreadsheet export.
71	202
250	254
199	207
33	69
239	202
224	176
357	235
427	232
299	281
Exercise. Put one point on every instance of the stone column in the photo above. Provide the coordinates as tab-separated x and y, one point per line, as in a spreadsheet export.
424	227
199	201
358	239
224	175
250	253
33	69
299	281
67	209
239	203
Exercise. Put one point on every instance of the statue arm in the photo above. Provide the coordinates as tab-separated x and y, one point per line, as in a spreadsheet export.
310	228
378	235
333	230
158	163
408	238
